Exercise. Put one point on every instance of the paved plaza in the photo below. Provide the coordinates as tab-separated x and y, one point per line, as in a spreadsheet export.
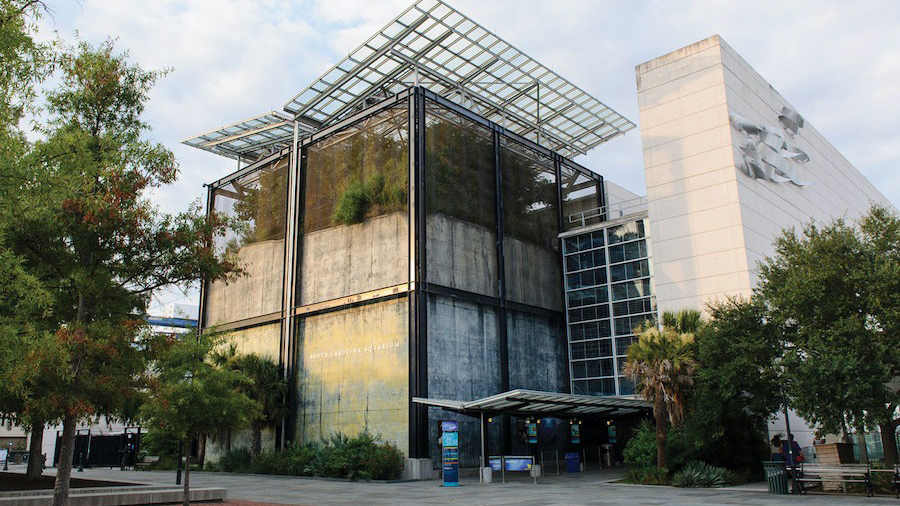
592	488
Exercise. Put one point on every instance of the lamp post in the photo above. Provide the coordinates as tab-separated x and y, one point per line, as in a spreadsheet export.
787	426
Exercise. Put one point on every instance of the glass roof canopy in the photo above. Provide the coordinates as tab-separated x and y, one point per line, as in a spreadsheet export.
434	46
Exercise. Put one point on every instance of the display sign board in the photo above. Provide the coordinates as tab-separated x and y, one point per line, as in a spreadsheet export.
531	431
611	433
576	433
450	457
512	463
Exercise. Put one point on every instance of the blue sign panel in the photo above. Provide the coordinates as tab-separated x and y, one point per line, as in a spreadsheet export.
450	457
531	431
451	439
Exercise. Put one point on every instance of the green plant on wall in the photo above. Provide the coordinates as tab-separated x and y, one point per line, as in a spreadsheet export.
461	178
358	173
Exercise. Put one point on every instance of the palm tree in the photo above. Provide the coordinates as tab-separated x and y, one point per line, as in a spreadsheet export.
662	363
266	386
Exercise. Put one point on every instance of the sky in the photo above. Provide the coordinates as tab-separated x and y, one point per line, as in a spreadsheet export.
837	62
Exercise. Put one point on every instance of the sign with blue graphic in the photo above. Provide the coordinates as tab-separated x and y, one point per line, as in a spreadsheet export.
531	431
450	457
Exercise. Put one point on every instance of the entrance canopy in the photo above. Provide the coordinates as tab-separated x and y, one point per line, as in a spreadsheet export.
542	404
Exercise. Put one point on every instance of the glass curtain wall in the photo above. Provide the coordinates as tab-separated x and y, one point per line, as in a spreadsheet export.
355	221
460	202
607	296
257	204
530	226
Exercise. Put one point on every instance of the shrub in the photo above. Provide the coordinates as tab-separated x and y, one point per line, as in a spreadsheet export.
353	204
640	452
235	461
702	475
647	476
362	457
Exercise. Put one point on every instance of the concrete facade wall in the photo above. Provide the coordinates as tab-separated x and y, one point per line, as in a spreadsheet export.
537	353
463	364
351	259
263	340
711	223
258	292
352	373
461	254
533	274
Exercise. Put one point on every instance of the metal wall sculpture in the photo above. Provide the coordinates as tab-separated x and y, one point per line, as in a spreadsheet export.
769	152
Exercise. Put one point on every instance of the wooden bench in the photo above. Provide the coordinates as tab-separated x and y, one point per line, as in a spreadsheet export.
843	473
146	462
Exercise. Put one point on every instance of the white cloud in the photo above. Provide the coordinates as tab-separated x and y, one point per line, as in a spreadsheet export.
838	62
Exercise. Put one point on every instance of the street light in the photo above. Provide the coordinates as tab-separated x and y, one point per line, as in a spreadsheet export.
787	426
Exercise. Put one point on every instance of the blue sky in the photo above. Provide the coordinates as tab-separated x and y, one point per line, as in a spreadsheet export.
837	62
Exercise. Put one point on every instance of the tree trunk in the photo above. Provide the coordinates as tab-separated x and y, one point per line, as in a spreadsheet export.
35	460
255	439
659	411
64	466
863	448
201	452
187	473
889	442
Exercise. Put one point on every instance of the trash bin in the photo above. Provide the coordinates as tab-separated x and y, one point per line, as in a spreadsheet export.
573	462
776	476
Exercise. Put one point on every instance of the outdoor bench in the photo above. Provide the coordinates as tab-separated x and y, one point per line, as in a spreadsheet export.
146	462
844	473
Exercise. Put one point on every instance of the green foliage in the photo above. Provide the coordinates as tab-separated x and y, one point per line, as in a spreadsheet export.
647	476
363	457
663	362
356	458
834	289
641	450
189	395
359	197
360	173
702	475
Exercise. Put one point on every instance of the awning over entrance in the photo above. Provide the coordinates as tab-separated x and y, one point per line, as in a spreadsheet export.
542	404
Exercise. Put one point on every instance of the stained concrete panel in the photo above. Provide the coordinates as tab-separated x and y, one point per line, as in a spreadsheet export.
537	353
351	259
352	373
461	254
256	292
533	274
463	364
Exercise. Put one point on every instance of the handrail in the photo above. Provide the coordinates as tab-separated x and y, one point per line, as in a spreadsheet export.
617	210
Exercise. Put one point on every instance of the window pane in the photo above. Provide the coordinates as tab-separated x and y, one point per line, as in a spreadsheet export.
625	232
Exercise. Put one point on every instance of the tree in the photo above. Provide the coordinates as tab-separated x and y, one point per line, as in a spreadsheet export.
737	384
834	290
662	363
23	62
266	385
88	232
190	395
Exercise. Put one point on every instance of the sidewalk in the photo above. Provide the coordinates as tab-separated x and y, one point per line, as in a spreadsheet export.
590	488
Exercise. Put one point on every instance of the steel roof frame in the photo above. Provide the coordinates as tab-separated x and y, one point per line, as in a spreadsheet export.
466	64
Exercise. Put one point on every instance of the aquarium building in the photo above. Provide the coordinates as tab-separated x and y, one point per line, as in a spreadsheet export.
416	235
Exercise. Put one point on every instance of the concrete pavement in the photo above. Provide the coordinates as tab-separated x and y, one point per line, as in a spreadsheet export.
590	489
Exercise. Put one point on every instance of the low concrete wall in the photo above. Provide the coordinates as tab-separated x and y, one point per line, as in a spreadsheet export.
115	496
